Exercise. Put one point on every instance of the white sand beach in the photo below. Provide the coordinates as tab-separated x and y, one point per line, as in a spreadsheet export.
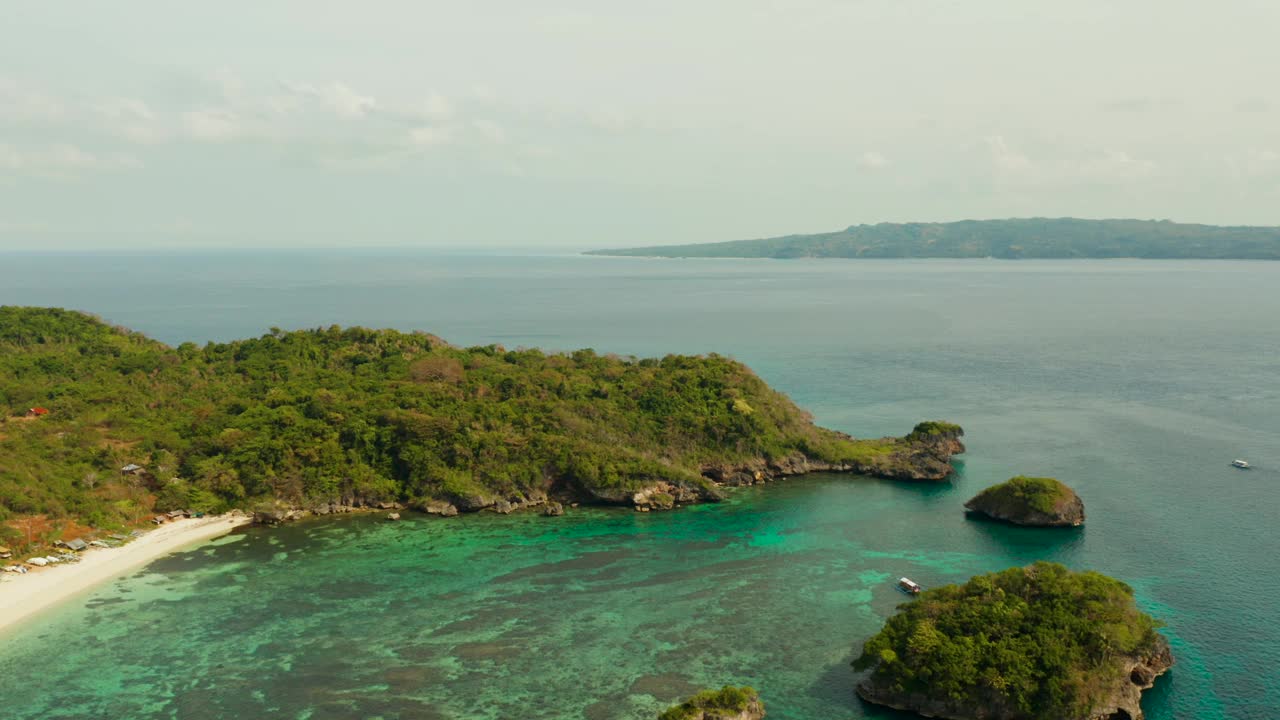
22	596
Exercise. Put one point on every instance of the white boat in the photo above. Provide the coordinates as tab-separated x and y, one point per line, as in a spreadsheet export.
908	586
1240	464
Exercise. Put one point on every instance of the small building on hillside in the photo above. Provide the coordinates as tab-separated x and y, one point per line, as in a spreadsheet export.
37	411
131	469
78	545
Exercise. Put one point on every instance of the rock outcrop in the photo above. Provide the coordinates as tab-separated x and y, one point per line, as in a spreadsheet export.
438	507
1122	701
1036	502
658	495
727	703
1125	700
277	514
924	454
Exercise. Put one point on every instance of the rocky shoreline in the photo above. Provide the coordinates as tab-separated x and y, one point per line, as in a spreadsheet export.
920	456
1122	701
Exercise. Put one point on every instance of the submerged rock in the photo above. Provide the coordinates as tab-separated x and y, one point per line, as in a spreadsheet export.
1037	502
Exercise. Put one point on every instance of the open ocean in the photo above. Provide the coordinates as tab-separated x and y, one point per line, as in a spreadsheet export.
1136	382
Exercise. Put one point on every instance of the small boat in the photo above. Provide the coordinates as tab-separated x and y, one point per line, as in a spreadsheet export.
1240	464
909	586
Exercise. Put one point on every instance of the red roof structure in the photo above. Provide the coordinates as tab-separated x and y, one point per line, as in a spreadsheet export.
38	411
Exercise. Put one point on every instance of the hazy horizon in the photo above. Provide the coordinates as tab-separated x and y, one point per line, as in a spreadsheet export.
573	125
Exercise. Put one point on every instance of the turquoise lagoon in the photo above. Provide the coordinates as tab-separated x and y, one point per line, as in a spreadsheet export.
1136	382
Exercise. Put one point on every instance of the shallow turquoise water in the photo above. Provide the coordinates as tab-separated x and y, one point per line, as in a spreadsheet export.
1136	382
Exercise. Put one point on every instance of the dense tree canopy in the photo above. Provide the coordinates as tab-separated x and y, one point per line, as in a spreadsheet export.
1020	494
1036	642
352	412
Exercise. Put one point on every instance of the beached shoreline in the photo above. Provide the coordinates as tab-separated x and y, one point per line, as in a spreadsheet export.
22	596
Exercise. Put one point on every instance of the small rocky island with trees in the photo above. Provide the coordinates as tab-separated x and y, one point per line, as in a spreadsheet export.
1025	643
1034	501
727	703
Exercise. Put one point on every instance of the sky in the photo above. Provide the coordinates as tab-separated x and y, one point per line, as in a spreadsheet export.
305	123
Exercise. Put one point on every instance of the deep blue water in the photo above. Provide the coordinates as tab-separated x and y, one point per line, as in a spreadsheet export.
1134	381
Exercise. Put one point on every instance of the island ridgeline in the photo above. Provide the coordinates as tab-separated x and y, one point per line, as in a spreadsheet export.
1007	239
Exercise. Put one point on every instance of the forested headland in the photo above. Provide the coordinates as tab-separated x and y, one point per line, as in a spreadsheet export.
104	426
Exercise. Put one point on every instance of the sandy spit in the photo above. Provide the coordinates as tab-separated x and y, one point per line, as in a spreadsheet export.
22	596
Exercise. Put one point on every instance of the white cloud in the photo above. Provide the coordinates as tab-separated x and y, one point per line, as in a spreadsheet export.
211	125
610	119
436	106
490	131
1004	157
483	93
1255	164
21	103
338	98
873	160
536	151
131	119
60	159
1115	166
428	136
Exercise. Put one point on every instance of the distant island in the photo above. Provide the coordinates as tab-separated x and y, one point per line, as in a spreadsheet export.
1024	643
104	427
1047	238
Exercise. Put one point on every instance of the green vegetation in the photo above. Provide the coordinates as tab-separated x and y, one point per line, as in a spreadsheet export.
711	704
343	415
1010	239
935	428
1039	641
1021	493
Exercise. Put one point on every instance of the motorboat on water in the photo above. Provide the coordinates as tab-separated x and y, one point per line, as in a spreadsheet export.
909	586
1243	465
